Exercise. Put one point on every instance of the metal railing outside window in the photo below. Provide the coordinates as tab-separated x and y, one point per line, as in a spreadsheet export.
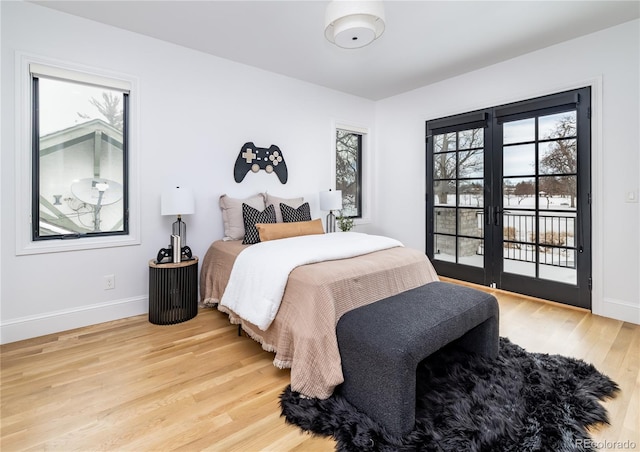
554	240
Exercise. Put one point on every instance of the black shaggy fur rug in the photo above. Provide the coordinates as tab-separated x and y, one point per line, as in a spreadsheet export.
519	402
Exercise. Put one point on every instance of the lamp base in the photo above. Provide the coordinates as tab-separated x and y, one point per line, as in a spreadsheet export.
179	228
331	222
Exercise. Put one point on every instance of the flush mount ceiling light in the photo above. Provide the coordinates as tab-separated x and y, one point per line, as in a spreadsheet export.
351	24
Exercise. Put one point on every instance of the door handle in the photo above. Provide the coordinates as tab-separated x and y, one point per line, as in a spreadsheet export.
496	216
488	215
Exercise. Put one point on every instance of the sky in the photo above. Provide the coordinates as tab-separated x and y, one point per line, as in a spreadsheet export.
60	103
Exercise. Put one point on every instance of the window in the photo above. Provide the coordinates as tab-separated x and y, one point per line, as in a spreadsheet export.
349	171
79	154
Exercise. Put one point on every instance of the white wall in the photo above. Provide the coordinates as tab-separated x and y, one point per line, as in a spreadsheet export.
610	61
195	112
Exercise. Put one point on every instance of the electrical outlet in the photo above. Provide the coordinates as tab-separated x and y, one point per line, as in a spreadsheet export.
109	282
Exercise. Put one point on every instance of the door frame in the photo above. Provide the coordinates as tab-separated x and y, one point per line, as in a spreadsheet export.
492	272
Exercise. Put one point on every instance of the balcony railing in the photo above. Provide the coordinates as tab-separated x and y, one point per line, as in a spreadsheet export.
553	240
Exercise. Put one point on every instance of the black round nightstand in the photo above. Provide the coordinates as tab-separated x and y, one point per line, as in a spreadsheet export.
173	291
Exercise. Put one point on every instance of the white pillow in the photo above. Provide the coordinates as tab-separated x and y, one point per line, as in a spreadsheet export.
232	214
291	202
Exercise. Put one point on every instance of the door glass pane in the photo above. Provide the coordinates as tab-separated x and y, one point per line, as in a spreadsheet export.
469	252
445	248
519	227
558	264
519	193
444	165
515	250
472	138
519	160
471	163
471	193
559	125
444	192
445	220
557	229
519	267
559	157
557	192
444	142
471	222
518	234
519	131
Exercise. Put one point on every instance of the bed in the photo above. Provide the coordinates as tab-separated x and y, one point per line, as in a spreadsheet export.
302	335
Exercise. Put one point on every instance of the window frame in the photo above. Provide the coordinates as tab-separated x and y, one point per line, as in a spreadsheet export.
366	166
37	234
24	164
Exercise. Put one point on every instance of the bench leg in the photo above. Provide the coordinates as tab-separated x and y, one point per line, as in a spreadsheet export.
384	387
482	340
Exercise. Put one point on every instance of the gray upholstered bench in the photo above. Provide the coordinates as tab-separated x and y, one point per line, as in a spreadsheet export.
381	345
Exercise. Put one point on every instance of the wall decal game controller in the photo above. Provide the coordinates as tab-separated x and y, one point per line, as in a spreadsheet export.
255	159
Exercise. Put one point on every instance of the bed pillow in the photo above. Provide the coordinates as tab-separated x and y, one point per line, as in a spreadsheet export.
291	215
293	202
283	230
252	216
232	214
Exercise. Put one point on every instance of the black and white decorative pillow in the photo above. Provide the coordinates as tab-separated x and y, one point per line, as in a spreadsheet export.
290	215
252	216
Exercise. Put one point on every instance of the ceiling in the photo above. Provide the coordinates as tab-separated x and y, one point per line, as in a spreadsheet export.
424	41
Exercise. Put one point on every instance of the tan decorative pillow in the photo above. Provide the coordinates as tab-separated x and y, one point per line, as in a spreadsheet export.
232	214
291	202
274	231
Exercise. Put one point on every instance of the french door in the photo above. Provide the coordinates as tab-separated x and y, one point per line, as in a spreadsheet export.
508	197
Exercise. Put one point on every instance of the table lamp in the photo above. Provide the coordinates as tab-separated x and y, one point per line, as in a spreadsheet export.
178	201
331	200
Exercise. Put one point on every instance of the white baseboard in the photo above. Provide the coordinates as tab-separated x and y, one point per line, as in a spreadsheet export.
68	319
619	310
55	322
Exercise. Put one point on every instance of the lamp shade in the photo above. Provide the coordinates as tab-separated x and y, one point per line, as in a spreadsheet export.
352	24
331	200
177	201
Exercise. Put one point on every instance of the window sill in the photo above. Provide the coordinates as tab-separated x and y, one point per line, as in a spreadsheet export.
62	245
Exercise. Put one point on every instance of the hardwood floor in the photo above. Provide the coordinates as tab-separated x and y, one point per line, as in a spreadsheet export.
131	385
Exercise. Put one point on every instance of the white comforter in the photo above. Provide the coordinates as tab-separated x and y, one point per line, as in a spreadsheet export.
260	272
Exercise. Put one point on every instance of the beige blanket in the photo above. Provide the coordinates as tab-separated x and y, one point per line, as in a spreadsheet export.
303	334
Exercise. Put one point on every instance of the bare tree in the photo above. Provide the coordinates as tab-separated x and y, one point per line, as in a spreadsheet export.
452	165
523	190
109	107
561	161
347	167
